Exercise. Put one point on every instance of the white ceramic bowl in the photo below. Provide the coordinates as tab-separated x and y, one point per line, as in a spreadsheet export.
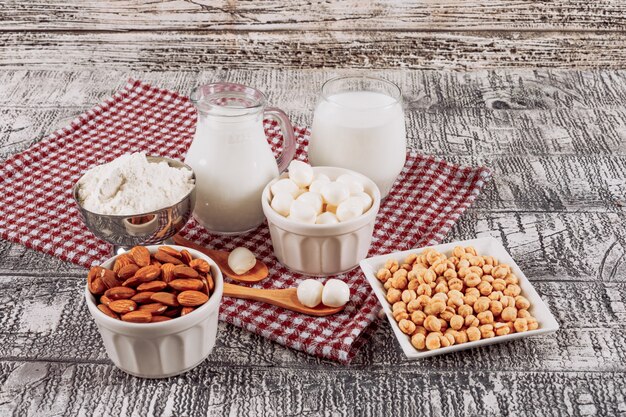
318	249
160	350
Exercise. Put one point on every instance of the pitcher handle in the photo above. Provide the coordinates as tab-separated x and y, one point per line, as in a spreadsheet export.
289	139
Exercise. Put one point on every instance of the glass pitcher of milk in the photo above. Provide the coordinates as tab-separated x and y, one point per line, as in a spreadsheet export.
231	157
359	125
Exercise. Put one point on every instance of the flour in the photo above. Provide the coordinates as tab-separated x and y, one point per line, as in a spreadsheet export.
131	185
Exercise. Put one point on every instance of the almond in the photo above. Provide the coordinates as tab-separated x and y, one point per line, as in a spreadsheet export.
153	286
105	300
170	251
120	293
137	317
132	282
184	284
106	310
166	258
182	271
127	271
108	278
122	261
192	298
167	272
140	255
94	282
200	265
123	306
166	298
205	286
153	308
186	256
186	310
209	280
148	273
96	286
158	319
142	297
172	312
156	263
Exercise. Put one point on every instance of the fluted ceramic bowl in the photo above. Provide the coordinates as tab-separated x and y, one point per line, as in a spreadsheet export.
322	249
164	349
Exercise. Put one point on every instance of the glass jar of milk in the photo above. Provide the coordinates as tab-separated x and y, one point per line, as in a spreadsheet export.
359	125
231	157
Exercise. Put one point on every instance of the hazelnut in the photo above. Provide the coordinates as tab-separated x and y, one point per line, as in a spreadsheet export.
408	296
433	341
509	314
418	340
407	326
522	302
394	295
432	323
486	317
418	317
383	274
457	322
473	333
464	310
521	325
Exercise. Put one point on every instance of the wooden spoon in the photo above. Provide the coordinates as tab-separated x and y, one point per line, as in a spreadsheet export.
258	272
285	298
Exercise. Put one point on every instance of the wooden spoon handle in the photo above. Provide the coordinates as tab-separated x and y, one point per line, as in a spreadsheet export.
285	298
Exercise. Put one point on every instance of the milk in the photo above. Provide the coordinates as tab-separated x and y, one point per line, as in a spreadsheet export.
232	162
363	131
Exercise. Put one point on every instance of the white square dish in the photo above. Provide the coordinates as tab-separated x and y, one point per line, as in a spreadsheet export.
484	246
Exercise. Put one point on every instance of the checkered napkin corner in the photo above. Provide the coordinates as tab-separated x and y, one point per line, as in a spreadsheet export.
37	210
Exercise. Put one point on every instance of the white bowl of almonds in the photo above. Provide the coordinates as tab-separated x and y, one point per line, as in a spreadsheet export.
321	219
456	296
156	308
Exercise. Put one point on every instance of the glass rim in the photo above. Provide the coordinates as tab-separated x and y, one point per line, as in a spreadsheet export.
397	95
197	97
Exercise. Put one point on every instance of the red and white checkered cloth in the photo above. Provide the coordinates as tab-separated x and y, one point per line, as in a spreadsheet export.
37	210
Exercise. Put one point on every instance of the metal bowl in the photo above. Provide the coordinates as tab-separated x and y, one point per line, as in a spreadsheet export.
150	228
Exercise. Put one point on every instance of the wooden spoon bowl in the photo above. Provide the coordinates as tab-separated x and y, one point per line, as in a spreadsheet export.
258	272
285	298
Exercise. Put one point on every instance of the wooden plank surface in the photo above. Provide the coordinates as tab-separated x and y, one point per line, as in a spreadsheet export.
410	15
556	144
95	389
196	50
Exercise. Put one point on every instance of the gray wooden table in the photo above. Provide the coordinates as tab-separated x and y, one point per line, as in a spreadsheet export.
556	141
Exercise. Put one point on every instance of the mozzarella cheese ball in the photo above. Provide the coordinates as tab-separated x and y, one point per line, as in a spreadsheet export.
312	199
301	173
310	292
354	183
241	260
349	209
302	212
335	192
365	198
336	293
281	203
327	218
285	185
317	184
